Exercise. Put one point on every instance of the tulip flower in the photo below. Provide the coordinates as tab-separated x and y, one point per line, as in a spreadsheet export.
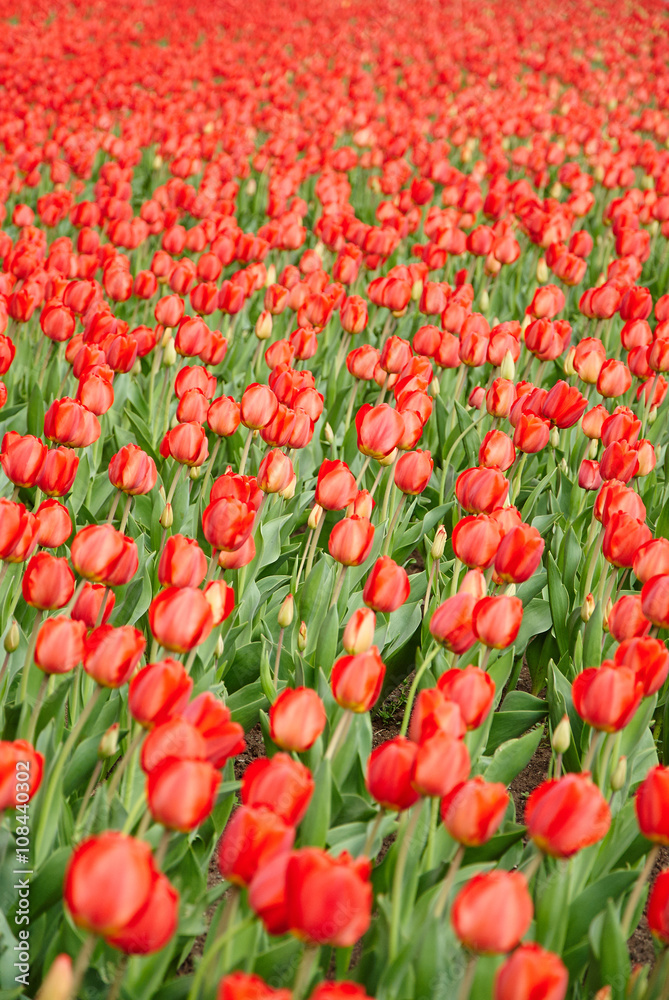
472	689
111	654
182	563
108	882
492	912
297	718
607	697
519	554
180	618
101	554
626	619
12	755
132	471
566	815
473	812
186	443
48	582
155	924
531	972
496	620
159	692
58	472
655	600
652	805
252	838
452	623
88	605
281	784
227	523
18	531
389	771
359	632
22	458
182	793
433	712
223	738
328	900
267	894
60	645
413	472
379	428
176	739
657	912
440	765
335	486
351	540
648	658
54	524
476	539
497	451
481	490
387	586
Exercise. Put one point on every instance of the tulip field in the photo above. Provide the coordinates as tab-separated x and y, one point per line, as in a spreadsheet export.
334	502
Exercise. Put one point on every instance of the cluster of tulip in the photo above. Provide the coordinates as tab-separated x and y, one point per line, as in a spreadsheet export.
332	364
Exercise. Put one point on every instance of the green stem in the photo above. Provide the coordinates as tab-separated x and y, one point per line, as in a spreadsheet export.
277	662
245	453
82	963
363	470
393	524
314	544
83	808
34	715
595	740
398	878
46	811
468	979
389	487
123	763
210	465
414	687
447	885
302	560
175	482
339	583
220	942
339	735
371	835
351	404
305	971
115	988
126	513
23	691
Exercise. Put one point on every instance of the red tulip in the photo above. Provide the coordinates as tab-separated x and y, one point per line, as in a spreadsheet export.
281	784
186	443
652	805
497	451
655	600
55	525
60	645
182	563
472	689
227	523
297	718
267	894
648	658
473	812
452	623
351	540
154	925
58	472
532	973
223	416
387	586
176	739
18	531
223	738
623	537
252	838
111	654
496	620
476	540
89	602
335	486
379	428
242	986
48	582
159	692
132	471
21	769
357	680
441	764
182	793
22	458
328	900
626	620
566	815
607	697
389	771
657	912
481	490
101	554
109	881
564	405
492	912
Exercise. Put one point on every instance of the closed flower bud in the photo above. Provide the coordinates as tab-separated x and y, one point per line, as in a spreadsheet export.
315	515
286	611
561	735
587	608
302	637
297	718
566	815
357	680
109	743
58	983
169	353
619	775
12	639
359	632
167	517
492	912
507	368
439	542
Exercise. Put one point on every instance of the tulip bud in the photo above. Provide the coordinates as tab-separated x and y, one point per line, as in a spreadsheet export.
286	611
359	632
484	300
542	270
619	776
59	980
166	337
194	472
607	611
416	290
652	416
593	449
136	368
508	368
556	190
439	542
271	276
434	389
554	437
251	187
264	325
587	608
170	353
569	362
109	742
561	737
12	638
328	433
315	516
220	645
527	319
167	517
302	637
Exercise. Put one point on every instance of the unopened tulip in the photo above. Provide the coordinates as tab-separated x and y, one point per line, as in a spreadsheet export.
492	912
607	697
335	486
297	718
379	428
433	712
497	451
101	554
88	605
55	524
567	815
441	764
359	631
180	618
223	738
387	586
280	783
389	770
652	805
132	471
472	689
648	658
227	523
481	490
182	563
531	972
22	458
182	793
472	814
159	692
328	900
252	838
626	620
48	582
60	645
657	912
19	758
351	540
452	623
496	620
111	654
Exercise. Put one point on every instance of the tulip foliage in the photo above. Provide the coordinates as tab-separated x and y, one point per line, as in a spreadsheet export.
334	496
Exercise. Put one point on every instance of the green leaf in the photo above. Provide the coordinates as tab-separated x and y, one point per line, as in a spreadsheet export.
585	907
614	958
513	756
326	646
36	412
537	618
552	908
592	639
246	704
559	604
314	827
